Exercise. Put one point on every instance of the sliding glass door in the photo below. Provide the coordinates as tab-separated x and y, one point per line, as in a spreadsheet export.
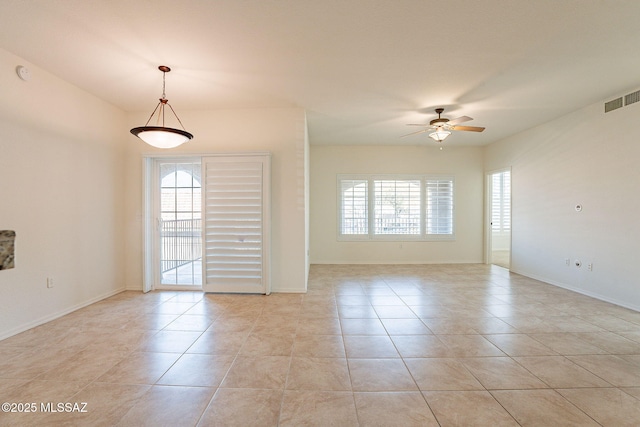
207	223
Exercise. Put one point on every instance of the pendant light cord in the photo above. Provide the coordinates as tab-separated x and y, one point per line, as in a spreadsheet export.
164	75
164	101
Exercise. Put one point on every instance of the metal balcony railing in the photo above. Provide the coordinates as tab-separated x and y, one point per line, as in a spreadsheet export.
181	242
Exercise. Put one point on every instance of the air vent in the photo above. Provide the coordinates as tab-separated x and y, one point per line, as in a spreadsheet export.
632	97
613	105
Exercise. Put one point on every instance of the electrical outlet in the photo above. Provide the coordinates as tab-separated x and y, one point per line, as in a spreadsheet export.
567	261
590	266
49	282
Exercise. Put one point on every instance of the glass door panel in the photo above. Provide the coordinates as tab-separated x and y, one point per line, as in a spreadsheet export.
179	224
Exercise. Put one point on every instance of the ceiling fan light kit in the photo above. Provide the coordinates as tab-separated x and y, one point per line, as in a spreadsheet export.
441	127
439	135
160	136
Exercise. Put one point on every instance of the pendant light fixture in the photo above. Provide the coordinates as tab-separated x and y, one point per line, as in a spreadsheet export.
160	136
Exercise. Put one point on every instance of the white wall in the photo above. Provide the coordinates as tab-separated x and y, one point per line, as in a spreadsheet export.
280	131
61	157
588	158
463	163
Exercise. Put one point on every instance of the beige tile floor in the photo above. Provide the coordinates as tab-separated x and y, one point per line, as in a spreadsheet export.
455	345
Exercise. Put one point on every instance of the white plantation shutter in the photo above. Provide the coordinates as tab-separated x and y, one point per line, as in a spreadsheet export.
439	206
236	224
395	207
501	202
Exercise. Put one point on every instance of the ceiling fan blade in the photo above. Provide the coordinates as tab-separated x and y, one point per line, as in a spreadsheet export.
414	133
426	125
462	119
468	128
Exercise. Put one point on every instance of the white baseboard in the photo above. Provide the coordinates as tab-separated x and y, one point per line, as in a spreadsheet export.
49	318
288	291
394	262
579	291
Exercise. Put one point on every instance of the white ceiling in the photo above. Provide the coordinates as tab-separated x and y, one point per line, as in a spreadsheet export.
362	69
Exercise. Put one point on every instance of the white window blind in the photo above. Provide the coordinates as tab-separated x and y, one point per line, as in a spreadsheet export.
234	229
439	206
395	207
501	202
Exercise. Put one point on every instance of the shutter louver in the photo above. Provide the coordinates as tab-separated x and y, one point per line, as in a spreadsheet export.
501	202
439	206
233	233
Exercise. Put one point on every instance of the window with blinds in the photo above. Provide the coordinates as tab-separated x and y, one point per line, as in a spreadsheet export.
501	202
395	207
439	206
354	207
236	224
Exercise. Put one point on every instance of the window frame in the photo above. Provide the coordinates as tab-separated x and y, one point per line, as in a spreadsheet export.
353	237
371	204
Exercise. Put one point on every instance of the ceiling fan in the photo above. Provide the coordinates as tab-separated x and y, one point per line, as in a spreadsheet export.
441	127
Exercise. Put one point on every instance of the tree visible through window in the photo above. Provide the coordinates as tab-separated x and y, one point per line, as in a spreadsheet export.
397	206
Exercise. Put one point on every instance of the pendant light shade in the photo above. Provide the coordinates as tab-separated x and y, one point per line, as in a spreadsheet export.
160	136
